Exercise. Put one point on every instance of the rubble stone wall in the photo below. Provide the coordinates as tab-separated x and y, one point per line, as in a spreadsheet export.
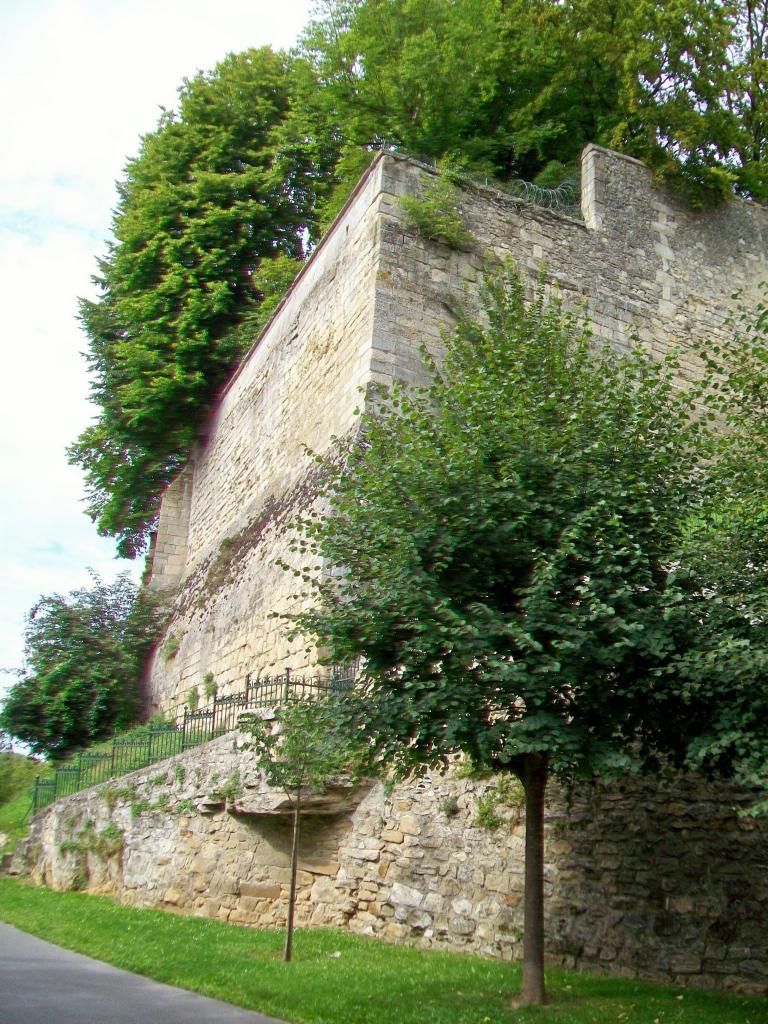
665	883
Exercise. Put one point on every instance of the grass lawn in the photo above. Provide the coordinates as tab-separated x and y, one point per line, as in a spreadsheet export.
17	776
338	978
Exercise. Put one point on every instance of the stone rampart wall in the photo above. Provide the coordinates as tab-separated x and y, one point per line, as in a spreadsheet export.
666	883
644	268
251	475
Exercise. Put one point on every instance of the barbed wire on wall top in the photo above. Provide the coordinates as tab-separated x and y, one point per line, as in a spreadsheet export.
564	198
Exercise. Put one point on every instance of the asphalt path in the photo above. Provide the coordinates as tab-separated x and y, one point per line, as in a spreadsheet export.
45	984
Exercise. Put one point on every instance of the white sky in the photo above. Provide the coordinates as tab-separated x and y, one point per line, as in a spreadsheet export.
81	81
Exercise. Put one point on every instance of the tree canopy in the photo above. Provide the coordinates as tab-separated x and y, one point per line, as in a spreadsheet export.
84	655
518	88
510	550
263	150
203	204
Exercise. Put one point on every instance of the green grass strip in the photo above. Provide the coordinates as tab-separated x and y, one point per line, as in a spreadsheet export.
339	978
17	775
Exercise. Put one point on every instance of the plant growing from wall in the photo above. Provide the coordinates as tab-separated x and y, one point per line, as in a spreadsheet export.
449	806
193	698
435	214
171	646
109	842
304	749
506	794
210	686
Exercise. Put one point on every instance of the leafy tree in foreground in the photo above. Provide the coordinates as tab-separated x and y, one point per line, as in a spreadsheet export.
84	657
303	749
506	537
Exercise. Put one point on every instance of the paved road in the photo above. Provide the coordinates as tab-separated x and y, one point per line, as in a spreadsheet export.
45	984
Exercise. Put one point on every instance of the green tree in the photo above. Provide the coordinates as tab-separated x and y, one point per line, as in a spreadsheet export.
302	751
498	549
84	655
204	204
518	88
725	546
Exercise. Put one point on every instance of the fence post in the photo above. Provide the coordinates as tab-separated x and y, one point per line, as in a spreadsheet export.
213	719
150	734
35	794
112	759
184	730
286	685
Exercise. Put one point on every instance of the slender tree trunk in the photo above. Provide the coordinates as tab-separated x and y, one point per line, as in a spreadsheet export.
294	869
534	780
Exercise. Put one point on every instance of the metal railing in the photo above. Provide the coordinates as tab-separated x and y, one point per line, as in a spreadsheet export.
188	728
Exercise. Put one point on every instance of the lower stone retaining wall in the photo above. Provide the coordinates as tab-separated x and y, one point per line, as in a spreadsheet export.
663	882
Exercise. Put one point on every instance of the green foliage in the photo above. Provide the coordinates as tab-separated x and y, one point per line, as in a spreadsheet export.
171	647
369	977
232	788
435	214
506	793
305	747
180	772
519	88
84	656
727	665
16	773
193	698
139	807
201	207
449	806
506	535
109	842
105	844
113	795
210	686
487	814
17	776
271	280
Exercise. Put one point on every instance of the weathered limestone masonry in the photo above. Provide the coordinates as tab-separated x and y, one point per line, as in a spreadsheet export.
642	265
660	881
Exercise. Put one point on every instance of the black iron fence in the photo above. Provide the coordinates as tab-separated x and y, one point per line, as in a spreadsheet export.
188	727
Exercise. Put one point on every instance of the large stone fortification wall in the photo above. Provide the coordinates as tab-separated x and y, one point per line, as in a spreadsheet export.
664	881
642	266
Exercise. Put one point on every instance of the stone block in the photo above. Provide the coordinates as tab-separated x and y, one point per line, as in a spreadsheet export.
260	890
403	895
409	825
329	868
